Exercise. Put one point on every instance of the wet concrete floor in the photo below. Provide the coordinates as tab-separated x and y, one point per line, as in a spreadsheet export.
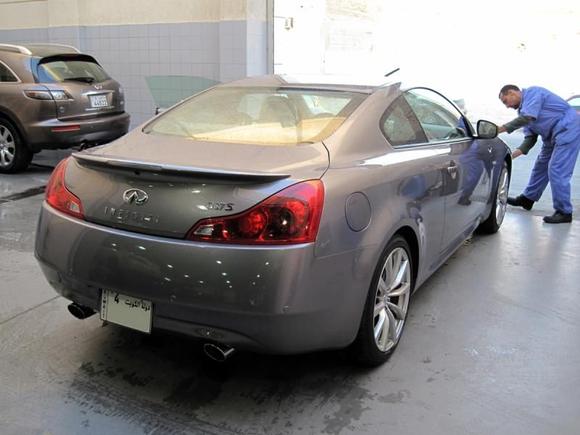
491	346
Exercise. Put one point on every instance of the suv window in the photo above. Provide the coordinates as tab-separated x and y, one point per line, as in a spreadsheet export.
400	125
438	117
70	70
574	102
6	75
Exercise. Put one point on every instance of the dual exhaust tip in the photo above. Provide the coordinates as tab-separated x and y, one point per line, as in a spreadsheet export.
217	351
80	311
214	351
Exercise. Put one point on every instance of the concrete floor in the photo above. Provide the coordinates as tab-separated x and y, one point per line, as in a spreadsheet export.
491	347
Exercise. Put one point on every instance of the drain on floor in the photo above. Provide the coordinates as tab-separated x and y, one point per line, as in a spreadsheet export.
21	195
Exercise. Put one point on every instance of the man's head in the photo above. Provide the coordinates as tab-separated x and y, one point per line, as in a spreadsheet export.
511	96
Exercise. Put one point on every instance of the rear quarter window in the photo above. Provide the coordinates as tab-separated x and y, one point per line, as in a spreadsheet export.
6	76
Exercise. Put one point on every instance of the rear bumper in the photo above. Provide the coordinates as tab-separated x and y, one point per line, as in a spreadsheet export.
274	299
91	131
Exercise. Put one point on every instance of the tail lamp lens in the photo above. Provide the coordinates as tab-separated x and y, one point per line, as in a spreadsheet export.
55	94
59	197
288	217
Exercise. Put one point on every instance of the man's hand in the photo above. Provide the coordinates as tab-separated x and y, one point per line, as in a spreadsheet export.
501	129
516	153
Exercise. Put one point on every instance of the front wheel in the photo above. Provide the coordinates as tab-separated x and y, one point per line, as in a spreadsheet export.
14	155
387	304
498	209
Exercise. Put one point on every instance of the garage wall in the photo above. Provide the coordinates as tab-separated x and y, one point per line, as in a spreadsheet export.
160	51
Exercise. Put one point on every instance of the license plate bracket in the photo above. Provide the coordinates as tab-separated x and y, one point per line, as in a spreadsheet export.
98	101
134	313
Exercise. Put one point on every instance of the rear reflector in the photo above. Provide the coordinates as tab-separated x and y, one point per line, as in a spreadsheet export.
288	217
65	128
59	197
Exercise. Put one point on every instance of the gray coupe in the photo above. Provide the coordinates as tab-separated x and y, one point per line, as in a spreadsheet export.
273	215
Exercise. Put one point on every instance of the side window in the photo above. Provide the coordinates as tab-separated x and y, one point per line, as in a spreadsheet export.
438	117
400	126
6	75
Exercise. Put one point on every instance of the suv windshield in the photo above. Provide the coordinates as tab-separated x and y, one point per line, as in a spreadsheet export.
62	70
265	116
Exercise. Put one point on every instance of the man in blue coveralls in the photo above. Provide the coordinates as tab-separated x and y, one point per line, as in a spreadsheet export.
543	113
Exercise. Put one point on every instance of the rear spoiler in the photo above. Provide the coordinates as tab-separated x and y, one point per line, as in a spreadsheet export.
67	56
113	162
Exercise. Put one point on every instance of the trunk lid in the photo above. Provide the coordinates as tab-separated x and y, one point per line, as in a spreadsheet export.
89	100
162	185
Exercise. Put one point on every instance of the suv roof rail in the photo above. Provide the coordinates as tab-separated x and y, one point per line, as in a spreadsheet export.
35	48
15	49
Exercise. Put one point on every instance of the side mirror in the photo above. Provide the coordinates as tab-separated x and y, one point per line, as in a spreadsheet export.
486	129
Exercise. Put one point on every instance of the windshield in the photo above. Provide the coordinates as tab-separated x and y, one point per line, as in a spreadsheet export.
265	116
71	70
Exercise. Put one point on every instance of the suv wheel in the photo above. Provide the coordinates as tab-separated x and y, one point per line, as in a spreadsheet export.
14	155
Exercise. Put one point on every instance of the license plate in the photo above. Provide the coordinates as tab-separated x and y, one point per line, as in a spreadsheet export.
99	101
126	311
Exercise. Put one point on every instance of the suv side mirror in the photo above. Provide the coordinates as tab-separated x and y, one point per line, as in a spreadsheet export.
486	129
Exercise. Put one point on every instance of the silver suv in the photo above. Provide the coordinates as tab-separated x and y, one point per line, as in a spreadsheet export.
54	97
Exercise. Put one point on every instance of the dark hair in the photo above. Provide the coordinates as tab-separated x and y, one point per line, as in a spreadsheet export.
507	88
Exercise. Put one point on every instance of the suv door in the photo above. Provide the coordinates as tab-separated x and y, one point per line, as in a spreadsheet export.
466	184
10	103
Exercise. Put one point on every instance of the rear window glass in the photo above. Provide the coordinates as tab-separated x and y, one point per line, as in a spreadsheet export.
71	70
265	116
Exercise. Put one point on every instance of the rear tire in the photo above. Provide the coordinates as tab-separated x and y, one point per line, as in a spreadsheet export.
386	306
14	155
498	209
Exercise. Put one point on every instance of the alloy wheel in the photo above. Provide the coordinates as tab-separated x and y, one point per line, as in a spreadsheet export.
392	299
7	147
502	195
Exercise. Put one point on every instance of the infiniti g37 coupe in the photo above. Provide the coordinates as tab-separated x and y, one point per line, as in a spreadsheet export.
273	215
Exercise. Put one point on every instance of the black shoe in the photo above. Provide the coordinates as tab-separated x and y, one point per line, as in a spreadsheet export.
464	201
521	201
558	218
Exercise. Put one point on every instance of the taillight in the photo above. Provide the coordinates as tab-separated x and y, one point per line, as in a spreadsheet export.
287	217
59	197
55	94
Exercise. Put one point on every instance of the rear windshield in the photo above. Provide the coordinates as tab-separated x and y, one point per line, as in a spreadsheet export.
71	70
265	116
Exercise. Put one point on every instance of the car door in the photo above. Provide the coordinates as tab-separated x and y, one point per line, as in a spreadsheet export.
466	180
422	166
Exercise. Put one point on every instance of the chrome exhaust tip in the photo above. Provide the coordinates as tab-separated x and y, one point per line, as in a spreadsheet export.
217	351
80	311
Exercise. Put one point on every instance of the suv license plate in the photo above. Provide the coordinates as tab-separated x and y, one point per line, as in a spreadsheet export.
126	311
99	101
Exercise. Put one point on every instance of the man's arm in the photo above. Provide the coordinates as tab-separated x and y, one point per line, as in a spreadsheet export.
514	124
527	144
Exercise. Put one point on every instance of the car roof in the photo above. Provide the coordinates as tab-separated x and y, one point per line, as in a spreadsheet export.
364	85
39	50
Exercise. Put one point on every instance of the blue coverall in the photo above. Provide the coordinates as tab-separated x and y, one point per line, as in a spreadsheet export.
559	126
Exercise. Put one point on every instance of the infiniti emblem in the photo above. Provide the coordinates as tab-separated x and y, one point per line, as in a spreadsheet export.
136	196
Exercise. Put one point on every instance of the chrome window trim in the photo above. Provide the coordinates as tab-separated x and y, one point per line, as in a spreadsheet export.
11	71
428	144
